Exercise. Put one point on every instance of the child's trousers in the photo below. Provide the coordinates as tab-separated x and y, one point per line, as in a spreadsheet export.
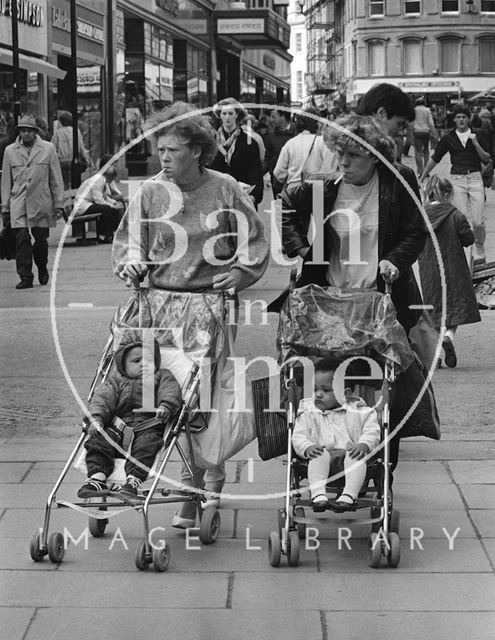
319	470
101	453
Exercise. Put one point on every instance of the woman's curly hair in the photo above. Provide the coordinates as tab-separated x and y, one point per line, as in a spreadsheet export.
365	127
196	130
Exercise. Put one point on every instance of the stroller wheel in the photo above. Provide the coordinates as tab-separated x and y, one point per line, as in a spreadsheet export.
209	527
274	549
34	548
374	551
142	560
300	526
161	558
56	547
97	526
393	557
293	549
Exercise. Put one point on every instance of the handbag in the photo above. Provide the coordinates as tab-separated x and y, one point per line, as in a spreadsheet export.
7	244
230	428
271	426
487	173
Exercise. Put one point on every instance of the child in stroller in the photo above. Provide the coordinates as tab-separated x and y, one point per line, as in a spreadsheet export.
325	430
121	396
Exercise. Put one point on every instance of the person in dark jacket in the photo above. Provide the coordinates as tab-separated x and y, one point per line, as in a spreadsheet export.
282	131
392	234
453	232
468	149
238	152
122	396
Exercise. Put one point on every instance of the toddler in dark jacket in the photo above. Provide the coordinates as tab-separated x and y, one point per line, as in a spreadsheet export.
121	396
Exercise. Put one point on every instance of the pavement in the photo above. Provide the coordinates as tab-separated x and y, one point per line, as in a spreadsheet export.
443	588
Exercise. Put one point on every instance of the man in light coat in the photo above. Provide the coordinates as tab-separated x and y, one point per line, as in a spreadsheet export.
32	198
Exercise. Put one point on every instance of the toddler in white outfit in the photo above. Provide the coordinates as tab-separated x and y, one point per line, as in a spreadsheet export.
322	426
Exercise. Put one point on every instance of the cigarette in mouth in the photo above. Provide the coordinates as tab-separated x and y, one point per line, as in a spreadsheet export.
339	178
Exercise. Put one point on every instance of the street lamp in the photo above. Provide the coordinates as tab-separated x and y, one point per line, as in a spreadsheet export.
301	4
75	165
15	61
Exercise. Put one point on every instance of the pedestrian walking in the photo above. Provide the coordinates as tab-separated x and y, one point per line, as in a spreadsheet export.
32	198
423	132
303	155
282	131
62	140
238	154
468	150
453	232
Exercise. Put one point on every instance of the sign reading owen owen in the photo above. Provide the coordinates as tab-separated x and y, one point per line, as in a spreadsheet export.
228	26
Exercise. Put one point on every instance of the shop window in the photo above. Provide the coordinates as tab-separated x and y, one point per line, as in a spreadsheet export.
449	55
412	51
488	6
248	87
450	6
377	7
487	55
376	58
412	7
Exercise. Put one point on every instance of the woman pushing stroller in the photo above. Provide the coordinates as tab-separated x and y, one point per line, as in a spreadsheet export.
191	230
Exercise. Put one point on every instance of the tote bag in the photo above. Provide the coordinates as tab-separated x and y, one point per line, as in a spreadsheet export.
230	427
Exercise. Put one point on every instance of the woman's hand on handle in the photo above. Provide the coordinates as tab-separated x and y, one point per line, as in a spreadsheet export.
133	272
226	282
388	271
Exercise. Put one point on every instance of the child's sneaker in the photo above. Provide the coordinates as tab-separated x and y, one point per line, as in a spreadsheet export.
92	487
131	486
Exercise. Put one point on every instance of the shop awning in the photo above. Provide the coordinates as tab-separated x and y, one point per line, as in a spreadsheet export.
35	65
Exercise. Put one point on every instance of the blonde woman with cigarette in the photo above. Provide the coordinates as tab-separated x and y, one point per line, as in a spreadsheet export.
372	231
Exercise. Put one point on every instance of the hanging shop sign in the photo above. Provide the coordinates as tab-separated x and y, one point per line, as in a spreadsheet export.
32	25
27	12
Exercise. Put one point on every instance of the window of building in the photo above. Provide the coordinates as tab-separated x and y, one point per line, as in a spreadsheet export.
298	42
488	6
299	85
412	7
487	55
450	6
376	58
449	55
412	51
377	7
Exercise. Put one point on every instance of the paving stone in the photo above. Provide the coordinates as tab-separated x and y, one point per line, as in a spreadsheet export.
489	545
468	472
479	496
68	589
187	624
420	592
418	496
484	520
390	625
12	472
15	621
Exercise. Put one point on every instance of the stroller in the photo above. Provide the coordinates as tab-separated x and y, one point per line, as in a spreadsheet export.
196	316
315	323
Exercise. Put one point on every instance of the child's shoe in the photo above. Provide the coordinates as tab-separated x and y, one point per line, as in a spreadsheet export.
131	486
92	487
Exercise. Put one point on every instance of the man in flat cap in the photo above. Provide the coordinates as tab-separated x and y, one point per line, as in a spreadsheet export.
32	198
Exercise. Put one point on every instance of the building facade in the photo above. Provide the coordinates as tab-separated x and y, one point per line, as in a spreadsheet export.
441	49
299	52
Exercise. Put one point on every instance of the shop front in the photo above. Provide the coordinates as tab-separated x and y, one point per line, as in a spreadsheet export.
34	68
90	68
163	54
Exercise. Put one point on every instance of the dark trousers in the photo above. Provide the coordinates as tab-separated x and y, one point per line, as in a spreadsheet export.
25	251
110	220
145	445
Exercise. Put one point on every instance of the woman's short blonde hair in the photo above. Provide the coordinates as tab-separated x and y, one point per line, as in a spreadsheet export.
439	189
196	130
365	127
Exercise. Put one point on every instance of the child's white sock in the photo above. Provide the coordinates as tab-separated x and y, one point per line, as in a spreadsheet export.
99	475
321	497
346	498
